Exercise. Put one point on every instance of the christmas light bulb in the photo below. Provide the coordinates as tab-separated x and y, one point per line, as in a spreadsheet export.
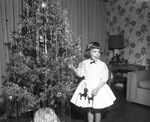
10	97
44	5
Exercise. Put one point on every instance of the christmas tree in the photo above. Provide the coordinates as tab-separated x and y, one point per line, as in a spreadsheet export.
40	52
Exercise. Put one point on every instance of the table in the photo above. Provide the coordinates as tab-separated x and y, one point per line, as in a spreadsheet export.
123	67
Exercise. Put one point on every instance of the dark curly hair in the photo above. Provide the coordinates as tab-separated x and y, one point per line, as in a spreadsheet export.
91	45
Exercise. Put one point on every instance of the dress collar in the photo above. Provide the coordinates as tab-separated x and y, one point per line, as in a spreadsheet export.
92	61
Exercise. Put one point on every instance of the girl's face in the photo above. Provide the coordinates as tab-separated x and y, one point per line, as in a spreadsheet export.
95	54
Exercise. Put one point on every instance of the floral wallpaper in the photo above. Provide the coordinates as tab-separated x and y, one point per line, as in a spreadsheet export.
130	18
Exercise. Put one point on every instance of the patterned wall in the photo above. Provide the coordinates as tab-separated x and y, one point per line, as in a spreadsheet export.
132	19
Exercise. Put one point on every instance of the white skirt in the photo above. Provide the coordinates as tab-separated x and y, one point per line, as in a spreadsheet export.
82	96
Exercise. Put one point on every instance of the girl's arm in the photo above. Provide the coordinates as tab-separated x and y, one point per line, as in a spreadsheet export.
74	69
78	71
102	81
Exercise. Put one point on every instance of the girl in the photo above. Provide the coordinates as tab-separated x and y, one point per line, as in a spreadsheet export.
92	93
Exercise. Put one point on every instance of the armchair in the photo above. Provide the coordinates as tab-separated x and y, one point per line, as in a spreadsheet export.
138	87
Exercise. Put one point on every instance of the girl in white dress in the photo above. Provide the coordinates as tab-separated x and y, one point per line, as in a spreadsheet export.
92	92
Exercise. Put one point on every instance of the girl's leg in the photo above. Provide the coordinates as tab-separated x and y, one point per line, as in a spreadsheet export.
97	117
90	116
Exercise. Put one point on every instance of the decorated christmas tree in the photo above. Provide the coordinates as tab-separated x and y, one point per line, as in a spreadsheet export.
40	51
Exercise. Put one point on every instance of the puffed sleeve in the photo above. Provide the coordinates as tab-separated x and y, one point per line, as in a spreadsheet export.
105	73
81	69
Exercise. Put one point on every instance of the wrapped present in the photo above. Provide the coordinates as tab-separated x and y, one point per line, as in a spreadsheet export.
45	115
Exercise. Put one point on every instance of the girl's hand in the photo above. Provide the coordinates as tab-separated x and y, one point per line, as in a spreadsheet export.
71	66
95	91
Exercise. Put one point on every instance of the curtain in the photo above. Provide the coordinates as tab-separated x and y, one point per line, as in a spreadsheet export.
87	18
9	16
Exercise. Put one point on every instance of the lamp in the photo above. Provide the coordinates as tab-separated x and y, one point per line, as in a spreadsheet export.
115	42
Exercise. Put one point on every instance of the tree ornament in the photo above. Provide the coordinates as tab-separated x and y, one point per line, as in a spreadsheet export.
48	35
10	97
30	2
44	5
30	63
61	51
48	45
32	14
14	48
41	76
33	53
24	30
43	18
26	52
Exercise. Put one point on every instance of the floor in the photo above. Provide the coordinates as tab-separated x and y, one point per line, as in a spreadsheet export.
121	111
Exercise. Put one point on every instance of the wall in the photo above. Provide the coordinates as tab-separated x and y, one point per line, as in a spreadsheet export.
132	19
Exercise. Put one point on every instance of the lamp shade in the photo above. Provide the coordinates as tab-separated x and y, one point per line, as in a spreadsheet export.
116	42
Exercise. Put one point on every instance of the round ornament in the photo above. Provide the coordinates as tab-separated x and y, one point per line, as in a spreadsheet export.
10	97
24	30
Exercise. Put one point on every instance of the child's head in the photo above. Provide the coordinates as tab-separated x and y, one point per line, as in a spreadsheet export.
92	47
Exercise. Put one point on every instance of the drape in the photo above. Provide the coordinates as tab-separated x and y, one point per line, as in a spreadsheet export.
86	17
9	16
87	20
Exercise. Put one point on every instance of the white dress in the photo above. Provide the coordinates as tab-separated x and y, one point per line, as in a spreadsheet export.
93	73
